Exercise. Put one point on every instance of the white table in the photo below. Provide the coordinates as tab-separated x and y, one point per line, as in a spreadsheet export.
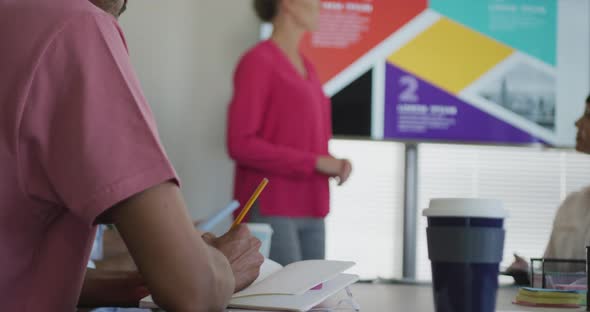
418	298
404	298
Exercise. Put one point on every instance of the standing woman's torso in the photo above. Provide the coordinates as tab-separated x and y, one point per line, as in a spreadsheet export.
292	112
298	111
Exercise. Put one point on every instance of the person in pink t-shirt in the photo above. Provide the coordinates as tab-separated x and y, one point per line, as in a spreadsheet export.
79	147
279	126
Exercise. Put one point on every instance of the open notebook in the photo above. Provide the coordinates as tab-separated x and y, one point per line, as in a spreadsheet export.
298	286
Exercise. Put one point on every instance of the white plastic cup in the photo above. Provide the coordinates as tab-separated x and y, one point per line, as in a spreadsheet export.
263	232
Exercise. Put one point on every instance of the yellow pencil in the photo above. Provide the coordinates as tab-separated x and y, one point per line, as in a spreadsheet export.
250	202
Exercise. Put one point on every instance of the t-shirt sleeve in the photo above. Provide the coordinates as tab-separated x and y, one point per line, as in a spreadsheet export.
88	139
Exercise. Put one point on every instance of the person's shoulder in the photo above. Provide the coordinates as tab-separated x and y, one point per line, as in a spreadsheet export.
307	60
52	21
578	200
50	16
310	66
70	7
45	26
57	11
259	56
584	194
86	12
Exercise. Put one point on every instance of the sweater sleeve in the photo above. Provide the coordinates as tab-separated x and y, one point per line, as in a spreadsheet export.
562	240
329	129
247	111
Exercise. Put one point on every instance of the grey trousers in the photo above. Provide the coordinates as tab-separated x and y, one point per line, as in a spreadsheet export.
294	239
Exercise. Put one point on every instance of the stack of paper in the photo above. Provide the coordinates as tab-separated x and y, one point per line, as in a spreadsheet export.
299	286
539	297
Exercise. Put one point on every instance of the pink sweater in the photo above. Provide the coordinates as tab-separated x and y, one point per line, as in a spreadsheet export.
279	123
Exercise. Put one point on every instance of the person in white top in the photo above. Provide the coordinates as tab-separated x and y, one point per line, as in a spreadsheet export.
571	228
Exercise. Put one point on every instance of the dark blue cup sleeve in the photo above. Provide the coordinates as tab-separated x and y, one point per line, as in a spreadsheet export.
465	244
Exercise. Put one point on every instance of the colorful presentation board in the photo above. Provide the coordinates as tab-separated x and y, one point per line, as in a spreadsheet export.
486	71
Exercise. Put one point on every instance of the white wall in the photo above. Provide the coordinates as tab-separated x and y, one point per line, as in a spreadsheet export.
184	52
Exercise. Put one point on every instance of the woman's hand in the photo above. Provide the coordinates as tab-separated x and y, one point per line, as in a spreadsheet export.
333	167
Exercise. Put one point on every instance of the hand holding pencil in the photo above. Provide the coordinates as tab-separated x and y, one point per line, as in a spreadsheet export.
242	251
239	246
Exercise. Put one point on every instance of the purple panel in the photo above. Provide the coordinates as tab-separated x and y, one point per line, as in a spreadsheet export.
417	110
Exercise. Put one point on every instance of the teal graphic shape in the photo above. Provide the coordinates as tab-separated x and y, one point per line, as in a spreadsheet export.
529	26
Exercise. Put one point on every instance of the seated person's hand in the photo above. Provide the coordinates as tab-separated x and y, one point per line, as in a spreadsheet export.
242	251
519	265
519	270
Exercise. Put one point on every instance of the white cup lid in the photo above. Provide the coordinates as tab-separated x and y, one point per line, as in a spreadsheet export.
466	207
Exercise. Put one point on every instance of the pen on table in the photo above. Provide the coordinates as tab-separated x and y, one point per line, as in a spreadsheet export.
208	225
250	202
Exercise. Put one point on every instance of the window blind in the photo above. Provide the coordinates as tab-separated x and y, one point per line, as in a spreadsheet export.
531	182
366	220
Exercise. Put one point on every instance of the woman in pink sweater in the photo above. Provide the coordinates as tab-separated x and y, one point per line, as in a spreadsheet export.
279	127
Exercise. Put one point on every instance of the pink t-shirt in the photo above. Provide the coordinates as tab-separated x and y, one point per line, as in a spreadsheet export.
76	137
279	123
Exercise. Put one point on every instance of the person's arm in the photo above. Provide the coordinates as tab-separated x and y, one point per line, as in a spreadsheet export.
330	165
124	287
111	288
181	271
559	243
